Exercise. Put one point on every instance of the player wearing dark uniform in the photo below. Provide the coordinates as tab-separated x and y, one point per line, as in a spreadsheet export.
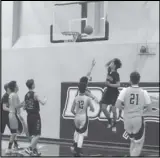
5	109
110	95
32	108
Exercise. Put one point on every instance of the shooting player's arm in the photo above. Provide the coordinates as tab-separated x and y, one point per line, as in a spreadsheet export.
113	85
117	84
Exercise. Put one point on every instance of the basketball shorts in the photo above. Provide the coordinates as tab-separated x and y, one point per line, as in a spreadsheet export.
15	123
34	124
109	97
81	124
4	122
138	135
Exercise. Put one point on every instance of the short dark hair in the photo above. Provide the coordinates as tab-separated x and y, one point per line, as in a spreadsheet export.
12	85
118	63
30	83
82	87
84	79
6	86
135	77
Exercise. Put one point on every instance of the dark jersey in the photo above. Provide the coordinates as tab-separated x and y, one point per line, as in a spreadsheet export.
5	100
31	105
113	78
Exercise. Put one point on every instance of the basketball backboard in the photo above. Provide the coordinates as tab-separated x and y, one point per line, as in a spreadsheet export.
71	17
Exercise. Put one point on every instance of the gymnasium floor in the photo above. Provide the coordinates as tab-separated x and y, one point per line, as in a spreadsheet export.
63	149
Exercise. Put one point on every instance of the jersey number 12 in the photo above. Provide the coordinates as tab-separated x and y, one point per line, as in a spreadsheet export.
134	99
81	103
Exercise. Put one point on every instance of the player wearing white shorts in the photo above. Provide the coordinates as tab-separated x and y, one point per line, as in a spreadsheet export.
135	102
79	109
16	126
86	79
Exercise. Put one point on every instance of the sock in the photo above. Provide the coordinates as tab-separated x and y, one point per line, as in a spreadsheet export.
79	150
76	134
10	145
109	121
80	141
34	141
75	145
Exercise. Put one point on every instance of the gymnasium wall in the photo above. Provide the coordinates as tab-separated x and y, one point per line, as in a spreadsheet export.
32	56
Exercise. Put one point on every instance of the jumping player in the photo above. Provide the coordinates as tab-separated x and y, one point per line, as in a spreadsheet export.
14	121
32	108
135	100
110	95
79	109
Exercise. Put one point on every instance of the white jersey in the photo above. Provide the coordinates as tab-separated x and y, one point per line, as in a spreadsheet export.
82	102
13	102
134	99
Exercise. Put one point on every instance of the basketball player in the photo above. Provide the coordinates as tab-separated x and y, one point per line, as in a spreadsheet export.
32	108
79	109
110	95
87	78
5	109
14	121
134	100
5	113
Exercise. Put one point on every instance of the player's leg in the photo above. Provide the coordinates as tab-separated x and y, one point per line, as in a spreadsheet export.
20	130
30	125
77	121
105	101
81	124
35	132
3	123
13	123
114	98
139	137
75	140
80	144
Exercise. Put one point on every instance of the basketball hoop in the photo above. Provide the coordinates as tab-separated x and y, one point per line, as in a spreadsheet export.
76	36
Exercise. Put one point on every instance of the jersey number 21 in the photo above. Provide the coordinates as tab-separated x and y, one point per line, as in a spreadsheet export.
134	99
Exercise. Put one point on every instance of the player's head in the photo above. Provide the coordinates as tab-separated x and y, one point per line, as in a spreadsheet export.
6	87
115	64
82	87
13	87
135	78
30	84
84	79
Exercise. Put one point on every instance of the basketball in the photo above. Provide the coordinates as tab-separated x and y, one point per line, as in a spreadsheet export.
143	49
88	30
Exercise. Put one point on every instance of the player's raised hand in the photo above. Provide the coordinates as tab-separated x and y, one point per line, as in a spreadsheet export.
45	100
93	62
